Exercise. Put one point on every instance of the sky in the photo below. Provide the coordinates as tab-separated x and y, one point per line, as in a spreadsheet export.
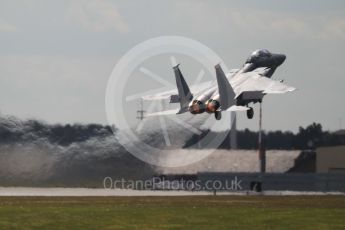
56	56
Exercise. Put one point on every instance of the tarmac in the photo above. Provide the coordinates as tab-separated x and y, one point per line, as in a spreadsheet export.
85	192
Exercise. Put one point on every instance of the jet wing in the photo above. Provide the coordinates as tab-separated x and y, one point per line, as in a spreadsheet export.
254	82
160	94
166	112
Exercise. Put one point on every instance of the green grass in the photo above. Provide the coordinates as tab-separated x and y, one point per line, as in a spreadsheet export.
209	212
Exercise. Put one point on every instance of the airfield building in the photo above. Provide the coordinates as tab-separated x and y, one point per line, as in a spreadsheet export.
330	159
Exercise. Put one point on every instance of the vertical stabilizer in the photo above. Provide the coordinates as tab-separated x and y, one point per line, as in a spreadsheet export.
226	92
184	94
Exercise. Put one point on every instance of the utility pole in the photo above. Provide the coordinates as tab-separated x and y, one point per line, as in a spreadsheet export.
141	111
262	149
233	131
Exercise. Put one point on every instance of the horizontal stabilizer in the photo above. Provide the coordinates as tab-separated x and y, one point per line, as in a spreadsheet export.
174	99
237	108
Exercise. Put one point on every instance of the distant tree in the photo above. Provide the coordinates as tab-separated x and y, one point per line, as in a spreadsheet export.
309	137
280	140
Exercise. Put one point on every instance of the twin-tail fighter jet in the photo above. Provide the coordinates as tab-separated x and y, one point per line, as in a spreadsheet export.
233	91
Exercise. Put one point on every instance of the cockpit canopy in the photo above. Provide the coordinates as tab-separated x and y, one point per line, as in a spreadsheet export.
258	54
261	53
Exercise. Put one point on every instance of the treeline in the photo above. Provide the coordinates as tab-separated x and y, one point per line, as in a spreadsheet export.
16	130
309	137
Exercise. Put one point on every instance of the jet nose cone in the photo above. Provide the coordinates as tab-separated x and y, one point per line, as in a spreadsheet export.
280	58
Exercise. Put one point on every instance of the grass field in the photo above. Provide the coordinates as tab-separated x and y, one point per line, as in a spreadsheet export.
204	212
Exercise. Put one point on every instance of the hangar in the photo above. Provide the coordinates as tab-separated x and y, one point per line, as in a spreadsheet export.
330	159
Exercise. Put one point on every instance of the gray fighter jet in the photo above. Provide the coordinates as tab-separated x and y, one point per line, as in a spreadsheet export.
233	91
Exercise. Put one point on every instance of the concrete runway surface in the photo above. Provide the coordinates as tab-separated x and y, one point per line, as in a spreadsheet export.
30	191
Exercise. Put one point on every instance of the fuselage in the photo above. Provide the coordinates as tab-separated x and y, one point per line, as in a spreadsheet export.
208	100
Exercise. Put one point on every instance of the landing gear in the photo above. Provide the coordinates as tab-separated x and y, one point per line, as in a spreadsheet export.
218	115
250	113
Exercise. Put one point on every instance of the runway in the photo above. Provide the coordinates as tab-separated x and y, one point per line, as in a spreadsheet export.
31	191
85	192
